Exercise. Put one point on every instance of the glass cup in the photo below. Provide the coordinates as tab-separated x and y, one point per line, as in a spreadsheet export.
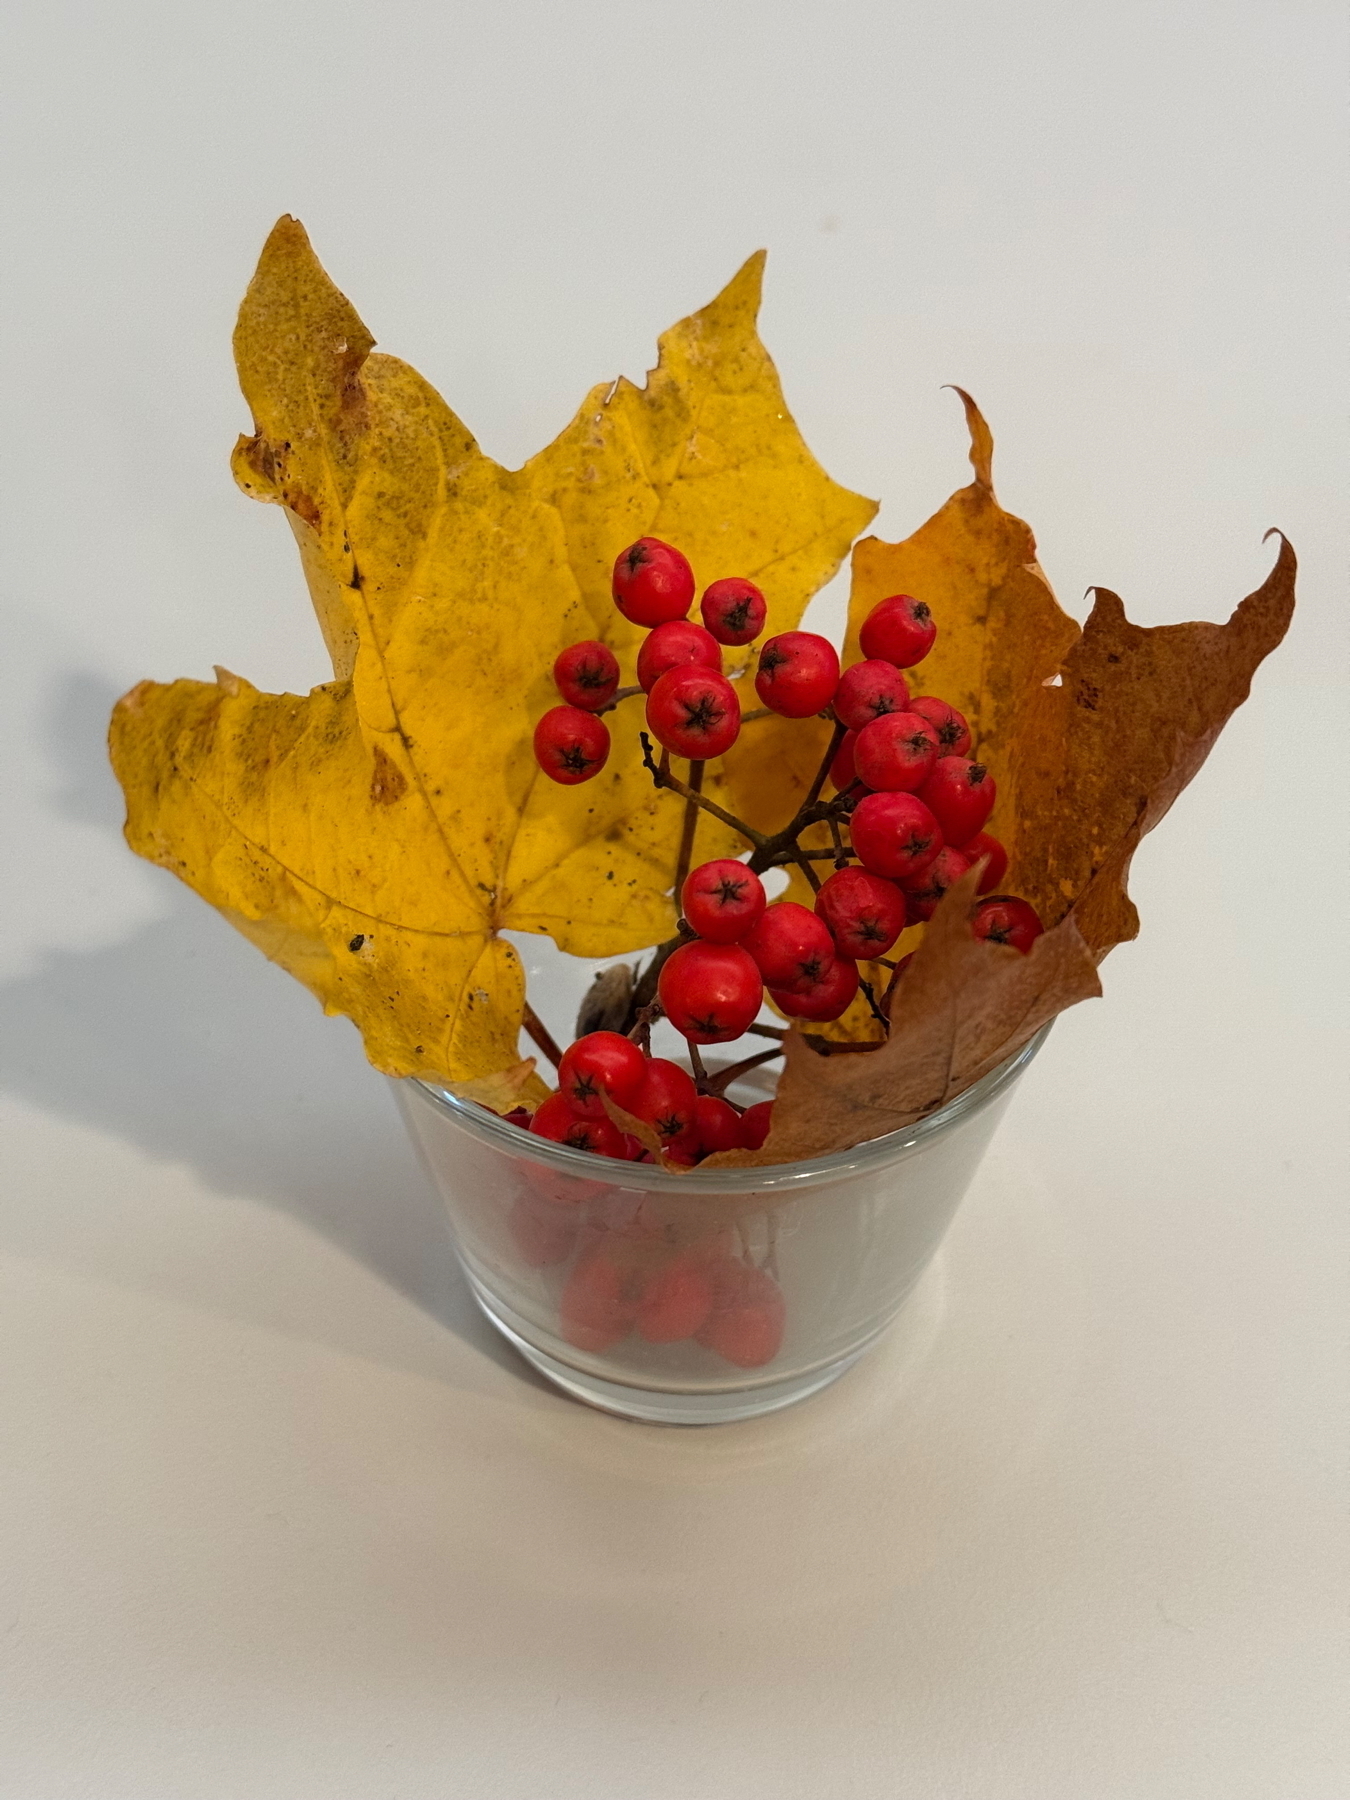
707	1296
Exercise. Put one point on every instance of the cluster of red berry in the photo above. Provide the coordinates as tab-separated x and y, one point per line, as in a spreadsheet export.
662	1095
691	707
628	1275
913	802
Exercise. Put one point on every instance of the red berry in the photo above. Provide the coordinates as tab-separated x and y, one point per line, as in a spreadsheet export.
895	835
556	1120
868	690
571	745
542	1234
673	646
895	753
864	913
798	674
922	892
827	998
665	1101
675	1302
953	734
755	1123
899	630
748	1314
716	1125
652	583
599	1302
790	945
598	1136
1003	920
722	900
711	992
553	1118
519	1115
997	865
843	770
960	795
733	610
694	712
587	674
602	1061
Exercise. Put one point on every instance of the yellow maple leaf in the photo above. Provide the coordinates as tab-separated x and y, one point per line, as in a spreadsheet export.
378	835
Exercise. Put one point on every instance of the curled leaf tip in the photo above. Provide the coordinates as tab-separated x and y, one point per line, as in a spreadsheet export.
981	440
1106	605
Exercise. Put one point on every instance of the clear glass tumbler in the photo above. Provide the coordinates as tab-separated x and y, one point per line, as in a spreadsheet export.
707	1296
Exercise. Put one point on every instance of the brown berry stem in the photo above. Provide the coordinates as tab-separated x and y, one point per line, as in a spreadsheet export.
869	994
641	1033
663	778
723	1079
836	738
803	862
690	821
542	1036
700	1072
614	699
770	1031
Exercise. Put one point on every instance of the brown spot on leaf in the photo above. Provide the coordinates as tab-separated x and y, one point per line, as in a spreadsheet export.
387	781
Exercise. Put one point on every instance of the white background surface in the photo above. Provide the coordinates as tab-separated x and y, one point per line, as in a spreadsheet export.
280	1518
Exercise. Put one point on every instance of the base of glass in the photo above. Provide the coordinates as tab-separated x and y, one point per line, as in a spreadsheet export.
656	1408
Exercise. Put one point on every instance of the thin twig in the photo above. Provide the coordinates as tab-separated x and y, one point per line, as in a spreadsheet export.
700	1072
663	778
641	1033
724	1077
543	1037
803	862
690	821
836	738
870	994
772	1031
759	712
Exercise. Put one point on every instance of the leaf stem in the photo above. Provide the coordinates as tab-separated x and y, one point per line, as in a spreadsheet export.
824	1046
542	1036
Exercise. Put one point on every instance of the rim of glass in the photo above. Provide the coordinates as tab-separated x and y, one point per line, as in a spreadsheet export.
872	1154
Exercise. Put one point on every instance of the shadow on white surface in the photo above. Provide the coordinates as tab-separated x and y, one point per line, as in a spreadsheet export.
182	1042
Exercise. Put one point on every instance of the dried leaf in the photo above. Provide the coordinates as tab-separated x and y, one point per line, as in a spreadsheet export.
378	835
605	1004
1099	758
517	1086
961	1009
